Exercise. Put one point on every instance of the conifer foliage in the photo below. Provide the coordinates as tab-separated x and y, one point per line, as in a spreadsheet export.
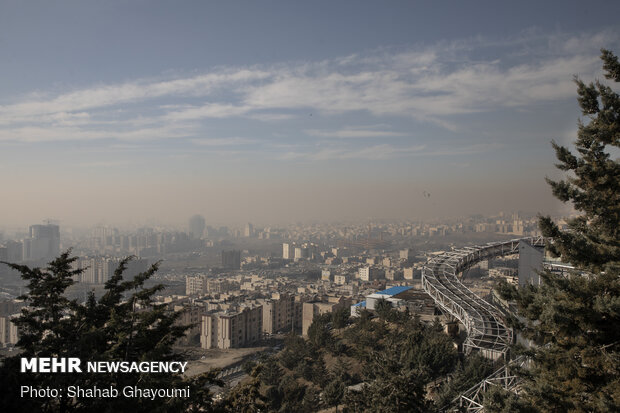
123	325
578	317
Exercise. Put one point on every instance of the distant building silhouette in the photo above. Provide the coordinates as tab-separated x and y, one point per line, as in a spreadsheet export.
43	243
249	230
288	251
231	259
98	270
197	226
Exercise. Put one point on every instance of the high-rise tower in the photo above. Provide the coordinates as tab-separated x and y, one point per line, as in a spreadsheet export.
196	226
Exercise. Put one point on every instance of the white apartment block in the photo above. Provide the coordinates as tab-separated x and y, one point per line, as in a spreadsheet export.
288	251
232	329
279	313
341	279
195	285
8	331
369	273
301	253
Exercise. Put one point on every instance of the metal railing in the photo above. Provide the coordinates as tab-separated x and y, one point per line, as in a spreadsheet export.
484	323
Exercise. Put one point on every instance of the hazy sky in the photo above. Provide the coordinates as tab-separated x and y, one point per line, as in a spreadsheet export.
271	111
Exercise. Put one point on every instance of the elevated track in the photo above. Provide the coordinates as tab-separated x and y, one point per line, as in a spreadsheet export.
484	323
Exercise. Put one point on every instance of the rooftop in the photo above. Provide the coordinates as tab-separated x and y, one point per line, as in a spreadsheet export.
394	290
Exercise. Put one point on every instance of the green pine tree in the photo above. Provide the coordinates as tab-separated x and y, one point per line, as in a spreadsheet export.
578	317
333	393
123	325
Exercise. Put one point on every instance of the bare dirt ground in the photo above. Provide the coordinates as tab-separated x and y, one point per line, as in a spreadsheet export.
217	358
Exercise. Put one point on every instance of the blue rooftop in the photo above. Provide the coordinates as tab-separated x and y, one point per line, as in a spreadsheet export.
360	304
394	290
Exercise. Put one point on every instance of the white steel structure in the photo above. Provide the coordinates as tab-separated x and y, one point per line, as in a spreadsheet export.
486	329
471	400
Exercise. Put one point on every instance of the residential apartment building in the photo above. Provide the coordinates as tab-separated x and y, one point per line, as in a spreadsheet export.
8	331
195	285
281	313
370	273
232	329
327	305
231	259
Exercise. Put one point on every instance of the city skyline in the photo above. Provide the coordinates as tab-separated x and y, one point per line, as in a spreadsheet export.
146	112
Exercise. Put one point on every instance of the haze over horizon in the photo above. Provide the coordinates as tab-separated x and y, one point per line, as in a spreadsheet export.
135	112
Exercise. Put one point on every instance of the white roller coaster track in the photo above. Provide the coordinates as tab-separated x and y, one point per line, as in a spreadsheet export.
484	324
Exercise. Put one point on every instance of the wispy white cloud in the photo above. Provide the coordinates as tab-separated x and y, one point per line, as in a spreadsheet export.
233	141
130	92
54	134
385	152
210	110
373	152
433	85
271	117
353	133
463	149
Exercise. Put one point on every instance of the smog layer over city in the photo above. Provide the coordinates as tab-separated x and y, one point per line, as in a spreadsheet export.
318	206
